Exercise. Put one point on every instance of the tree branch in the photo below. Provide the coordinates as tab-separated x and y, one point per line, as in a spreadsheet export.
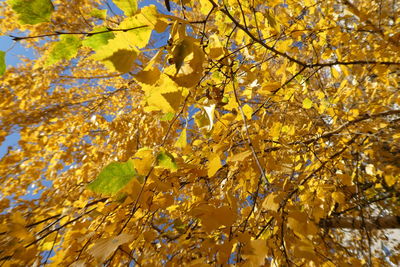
373	223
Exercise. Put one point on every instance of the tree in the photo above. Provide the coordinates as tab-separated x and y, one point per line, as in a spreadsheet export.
222	132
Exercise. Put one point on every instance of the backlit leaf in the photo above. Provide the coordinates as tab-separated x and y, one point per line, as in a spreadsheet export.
33	11
166	160
117	55
138	28
143	160
248	111
128	6
65	49
214	165
95	41
182	140
113	177
307	103
164	95
205	118
182	49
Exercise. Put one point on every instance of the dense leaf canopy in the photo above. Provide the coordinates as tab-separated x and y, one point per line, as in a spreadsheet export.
219	132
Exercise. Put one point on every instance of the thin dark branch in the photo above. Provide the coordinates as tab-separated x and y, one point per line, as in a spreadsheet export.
57	33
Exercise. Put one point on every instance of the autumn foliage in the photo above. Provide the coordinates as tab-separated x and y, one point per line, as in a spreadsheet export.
251	133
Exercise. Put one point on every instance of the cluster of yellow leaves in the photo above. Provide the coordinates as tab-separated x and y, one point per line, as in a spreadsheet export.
241	128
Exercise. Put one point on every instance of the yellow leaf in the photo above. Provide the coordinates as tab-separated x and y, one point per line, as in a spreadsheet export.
276	129
103	248
328	264
370	169
139	27
117	55
214	165
190	72
206	6
215	49
181	142
48	242
335	72
271	86
391	179
143	160
307	103
128	6
151	73
339	197
224	215
164	95
205	118
256	252
248	111
239	157
298	222
181	50
271	202
304	249
150	76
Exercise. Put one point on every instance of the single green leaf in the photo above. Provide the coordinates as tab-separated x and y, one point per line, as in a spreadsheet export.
96	41
128	6
33	11
166	160
66	48
99	13
2	62
113	178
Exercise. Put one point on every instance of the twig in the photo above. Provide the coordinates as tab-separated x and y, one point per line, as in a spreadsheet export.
19	38
249	142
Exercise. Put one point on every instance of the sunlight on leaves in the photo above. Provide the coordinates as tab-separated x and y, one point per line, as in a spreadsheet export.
166	160
65	49
128	6
113	177
117	55
96	41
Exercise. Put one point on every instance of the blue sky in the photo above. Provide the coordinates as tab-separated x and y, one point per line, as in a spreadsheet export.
14	50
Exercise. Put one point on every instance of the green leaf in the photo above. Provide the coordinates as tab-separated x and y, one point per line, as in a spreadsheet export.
2	62
99	13
128	6
166	160
113	178
96	41
33	11
66	48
